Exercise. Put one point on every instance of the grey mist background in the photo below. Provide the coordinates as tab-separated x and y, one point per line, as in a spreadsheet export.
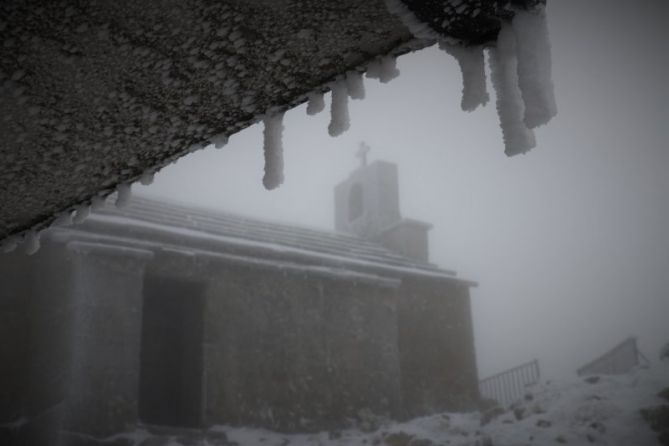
569	242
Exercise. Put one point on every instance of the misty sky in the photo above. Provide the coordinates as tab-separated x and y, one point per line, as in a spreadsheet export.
568	243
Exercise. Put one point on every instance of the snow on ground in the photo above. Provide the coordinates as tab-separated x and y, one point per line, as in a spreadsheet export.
600	410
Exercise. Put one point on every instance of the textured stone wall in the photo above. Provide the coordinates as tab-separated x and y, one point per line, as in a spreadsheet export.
436	345
285	349
107	287
294	352
41	287
70	362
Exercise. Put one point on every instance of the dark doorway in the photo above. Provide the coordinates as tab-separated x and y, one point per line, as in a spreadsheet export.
170	384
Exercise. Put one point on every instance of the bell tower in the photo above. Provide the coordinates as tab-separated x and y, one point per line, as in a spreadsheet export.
367	205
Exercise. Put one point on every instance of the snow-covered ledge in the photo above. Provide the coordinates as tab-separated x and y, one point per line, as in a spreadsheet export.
82	247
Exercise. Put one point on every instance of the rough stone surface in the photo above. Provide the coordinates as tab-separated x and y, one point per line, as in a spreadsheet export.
95	93
428	371
330	344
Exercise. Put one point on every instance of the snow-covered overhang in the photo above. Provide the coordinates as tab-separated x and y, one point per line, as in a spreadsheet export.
95	95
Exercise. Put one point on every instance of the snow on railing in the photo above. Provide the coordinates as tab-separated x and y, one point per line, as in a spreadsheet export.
510	385
620	359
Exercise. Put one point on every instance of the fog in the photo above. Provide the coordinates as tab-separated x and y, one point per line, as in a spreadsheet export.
568	243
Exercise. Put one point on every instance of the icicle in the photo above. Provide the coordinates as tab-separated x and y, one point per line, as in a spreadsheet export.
339	119
219	141
316	103
374	70
517	137
83	211
97	202
534	66
32	243
63	219
147	178
273	149
123	196
388	70
355	85
10	243
472	66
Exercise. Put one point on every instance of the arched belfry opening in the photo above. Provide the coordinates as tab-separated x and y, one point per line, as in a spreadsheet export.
367	205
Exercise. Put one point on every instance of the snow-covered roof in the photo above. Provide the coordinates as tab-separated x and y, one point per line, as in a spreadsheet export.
164	226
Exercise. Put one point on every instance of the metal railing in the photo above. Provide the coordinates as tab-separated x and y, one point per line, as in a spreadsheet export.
510	385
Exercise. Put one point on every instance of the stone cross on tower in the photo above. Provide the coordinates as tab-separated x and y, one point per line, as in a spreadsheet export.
363	150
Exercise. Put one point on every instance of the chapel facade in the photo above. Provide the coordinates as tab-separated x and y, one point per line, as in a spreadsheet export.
159	314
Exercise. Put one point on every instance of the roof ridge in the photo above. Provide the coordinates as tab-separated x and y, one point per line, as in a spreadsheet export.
216	222
175	204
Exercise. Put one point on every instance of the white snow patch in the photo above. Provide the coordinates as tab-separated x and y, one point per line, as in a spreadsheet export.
355	85
108	249
316	103
534	66
123	195
339	118
273	149
472	66
323	271
179	234
503	72
576	413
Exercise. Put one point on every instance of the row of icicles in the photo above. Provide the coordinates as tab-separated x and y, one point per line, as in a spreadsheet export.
350	86
520	67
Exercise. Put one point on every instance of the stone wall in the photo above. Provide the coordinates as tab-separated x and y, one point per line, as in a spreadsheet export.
107	288
436	345
70	369
289	351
